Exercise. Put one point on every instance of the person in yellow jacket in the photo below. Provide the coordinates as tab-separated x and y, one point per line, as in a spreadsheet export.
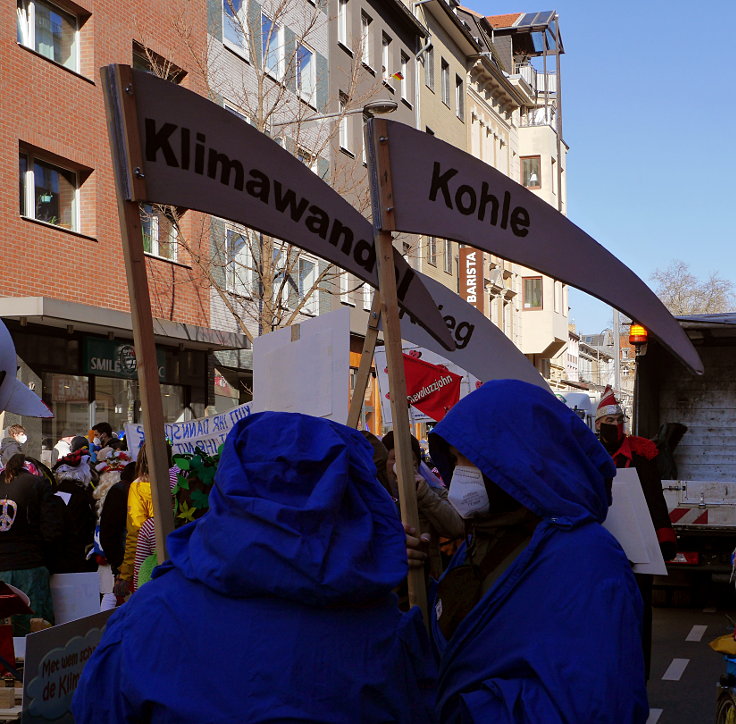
140	508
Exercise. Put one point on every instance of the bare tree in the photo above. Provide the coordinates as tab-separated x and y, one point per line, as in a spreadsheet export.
683	293
265	71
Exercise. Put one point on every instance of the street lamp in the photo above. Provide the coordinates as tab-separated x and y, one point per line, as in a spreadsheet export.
638	339
372	108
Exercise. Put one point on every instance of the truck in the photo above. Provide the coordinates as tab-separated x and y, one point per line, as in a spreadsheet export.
698	416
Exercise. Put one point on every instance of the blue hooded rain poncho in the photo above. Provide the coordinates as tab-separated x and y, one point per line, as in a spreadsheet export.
276	605
556	638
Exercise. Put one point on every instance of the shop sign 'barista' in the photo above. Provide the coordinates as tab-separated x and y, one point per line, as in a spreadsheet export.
173	143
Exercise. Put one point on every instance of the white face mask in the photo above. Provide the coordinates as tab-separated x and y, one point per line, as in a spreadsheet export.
97	442
22	439
468	491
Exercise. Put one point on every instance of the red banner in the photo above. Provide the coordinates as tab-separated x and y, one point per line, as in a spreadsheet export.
432	389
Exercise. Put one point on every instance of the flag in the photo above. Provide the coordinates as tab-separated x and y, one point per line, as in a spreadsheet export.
432	389
398	75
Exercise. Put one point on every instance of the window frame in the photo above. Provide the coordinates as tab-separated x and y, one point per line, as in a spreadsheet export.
367	296
155	250
308	98
404	83
459	97
344	289
386	42
365	39
309	306
344	127
429	68
538	159
27	27
242	48
448	256
233	284
432	250
268	50
27	188
527	307
445	81
343	24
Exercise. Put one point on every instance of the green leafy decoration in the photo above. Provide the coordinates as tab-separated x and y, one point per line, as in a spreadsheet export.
200	499
186	512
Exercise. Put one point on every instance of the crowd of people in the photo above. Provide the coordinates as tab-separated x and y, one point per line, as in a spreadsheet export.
283	601
290	577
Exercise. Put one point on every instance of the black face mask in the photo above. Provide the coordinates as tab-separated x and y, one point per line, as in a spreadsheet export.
611	436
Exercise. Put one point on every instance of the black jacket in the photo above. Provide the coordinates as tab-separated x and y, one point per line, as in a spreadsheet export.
30	522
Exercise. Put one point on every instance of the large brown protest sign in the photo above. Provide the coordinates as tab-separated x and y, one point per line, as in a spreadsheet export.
443	191
197	155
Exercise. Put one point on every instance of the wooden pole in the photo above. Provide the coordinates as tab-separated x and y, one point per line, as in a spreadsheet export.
366	360
125	143
382	203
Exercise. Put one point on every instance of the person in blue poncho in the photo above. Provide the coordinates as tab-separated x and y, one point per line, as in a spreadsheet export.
276	605
538	617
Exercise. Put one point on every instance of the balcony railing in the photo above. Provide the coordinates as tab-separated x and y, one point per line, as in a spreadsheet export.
535	80
546	116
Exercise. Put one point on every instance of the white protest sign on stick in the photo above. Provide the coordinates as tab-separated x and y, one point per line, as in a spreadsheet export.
304	368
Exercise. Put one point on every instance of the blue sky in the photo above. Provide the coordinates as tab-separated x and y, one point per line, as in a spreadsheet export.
649	114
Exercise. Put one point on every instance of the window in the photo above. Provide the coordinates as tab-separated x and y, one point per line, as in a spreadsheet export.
428	131
459	98
235	26
272	46
367	296
432	250
342	22
365	39
531	175
236	112
305	73
345	296
238	263
385	57
445	80
160	231
344	124
553	168
308	159
50	31
531	293
448	256
404	76
307	276
429	68
48	192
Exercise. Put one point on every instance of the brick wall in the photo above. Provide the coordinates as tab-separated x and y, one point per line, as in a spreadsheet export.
59	114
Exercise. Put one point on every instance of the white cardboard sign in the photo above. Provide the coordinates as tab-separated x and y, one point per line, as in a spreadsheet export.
631	524
305	372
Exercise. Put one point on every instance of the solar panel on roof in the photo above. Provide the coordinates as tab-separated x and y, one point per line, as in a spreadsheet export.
544	17
528	19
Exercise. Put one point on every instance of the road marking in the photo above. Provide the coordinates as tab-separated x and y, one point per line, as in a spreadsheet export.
709	610
654	715
675	670
696	633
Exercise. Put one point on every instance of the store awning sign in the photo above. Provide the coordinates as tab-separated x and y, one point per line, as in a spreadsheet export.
109	358
443	191
197	155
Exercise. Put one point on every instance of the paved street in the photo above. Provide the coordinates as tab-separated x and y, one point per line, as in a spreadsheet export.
685	671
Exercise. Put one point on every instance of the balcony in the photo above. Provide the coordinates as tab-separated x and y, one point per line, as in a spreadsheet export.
535	79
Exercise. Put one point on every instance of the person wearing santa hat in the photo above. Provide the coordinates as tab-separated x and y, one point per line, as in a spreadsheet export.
638	452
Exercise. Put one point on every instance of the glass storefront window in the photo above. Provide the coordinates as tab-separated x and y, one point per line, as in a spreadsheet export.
68	397
118	402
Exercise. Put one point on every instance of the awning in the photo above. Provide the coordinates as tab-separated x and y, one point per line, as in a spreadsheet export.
100	320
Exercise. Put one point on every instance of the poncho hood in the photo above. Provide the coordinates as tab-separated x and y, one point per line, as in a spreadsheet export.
533	447
296	512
